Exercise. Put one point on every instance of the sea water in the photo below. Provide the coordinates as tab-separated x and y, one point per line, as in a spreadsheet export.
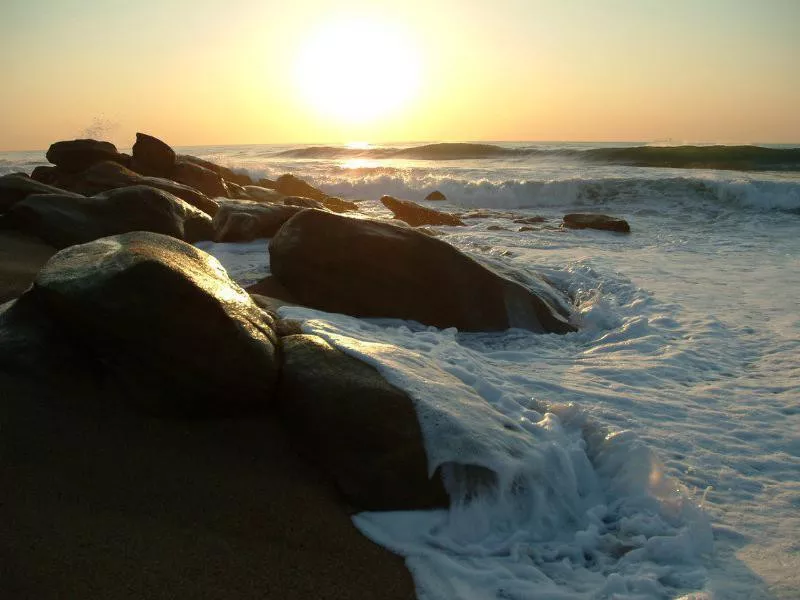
655	452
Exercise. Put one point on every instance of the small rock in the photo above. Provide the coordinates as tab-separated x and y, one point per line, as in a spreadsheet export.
529	220
415	215
435	195
596	221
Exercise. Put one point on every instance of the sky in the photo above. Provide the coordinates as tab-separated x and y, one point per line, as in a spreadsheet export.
203	72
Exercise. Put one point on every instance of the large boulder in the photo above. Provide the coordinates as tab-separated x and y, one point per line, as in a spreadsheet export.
165	321
289	185
376	269
63	220
415	215
596	221
200	178
16	187
74	156
21	257
242	221
151	156
224	172
108	175
361	430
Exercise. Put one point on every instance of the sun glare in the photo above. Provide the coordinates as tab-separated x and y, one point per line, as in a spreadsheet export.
357	70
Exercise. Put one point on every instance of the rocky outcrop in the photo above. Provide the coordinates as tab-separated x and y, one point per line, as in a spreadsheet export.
362	431
165	321
200	178
63	220
435	195
596	221
415	215
16	187
242	221
74	156
375	269
151	156
107	175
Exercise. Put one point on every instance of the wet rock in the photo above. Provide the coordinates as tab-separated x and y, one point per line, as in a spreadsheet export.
435	195
224	172
596	221
360	429
63	219
200	178
263	194
289	185
415	215
21	257
108	175
337	205
241	221
166	322
377	269
151	156
303	202
16	187
496	228
74	156
526	228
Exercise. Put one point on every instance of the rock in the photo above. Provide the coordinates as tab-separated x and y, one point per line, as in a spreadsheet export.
303	202
166	321
151	156
16	187
289	185
263	194
21	257
360	429
596	221
496	228
435	195
526	228
337	205
271	288
63	220
200	178
377	269
109	175
77	155
266	183
236	191
45	174
415	215
242	221
529	220
224	172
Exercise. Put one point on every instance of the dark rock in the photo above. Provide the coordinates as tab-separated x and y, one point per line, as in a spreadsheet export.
45	174
16	187
266	183
77	155
596	221
236	191
200	178
289	185
271	288
337	205
529	220
242	221
151	156
109	175
224	172
21	257
436	195
362	431
63	220
376	269
303	202
496	228
526	228
166	321
263	194
414	214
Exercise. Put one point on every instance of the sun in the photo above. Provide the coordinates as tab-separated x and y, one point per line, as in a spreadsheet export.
357	70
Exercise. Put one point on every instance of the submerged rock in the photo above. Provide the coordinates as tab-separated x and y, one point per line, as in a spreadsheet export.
63	219
530	220
361	430
436	195
151	156
596	221
165	320
74	156
16	187
303	202
376	269
416	215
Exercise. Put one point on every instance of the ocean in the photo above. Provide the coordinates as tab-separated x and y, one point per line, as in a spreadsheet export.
655	452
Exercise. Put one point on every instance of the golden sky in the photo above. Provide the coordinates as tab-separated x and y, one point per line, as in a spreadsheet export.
197	72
